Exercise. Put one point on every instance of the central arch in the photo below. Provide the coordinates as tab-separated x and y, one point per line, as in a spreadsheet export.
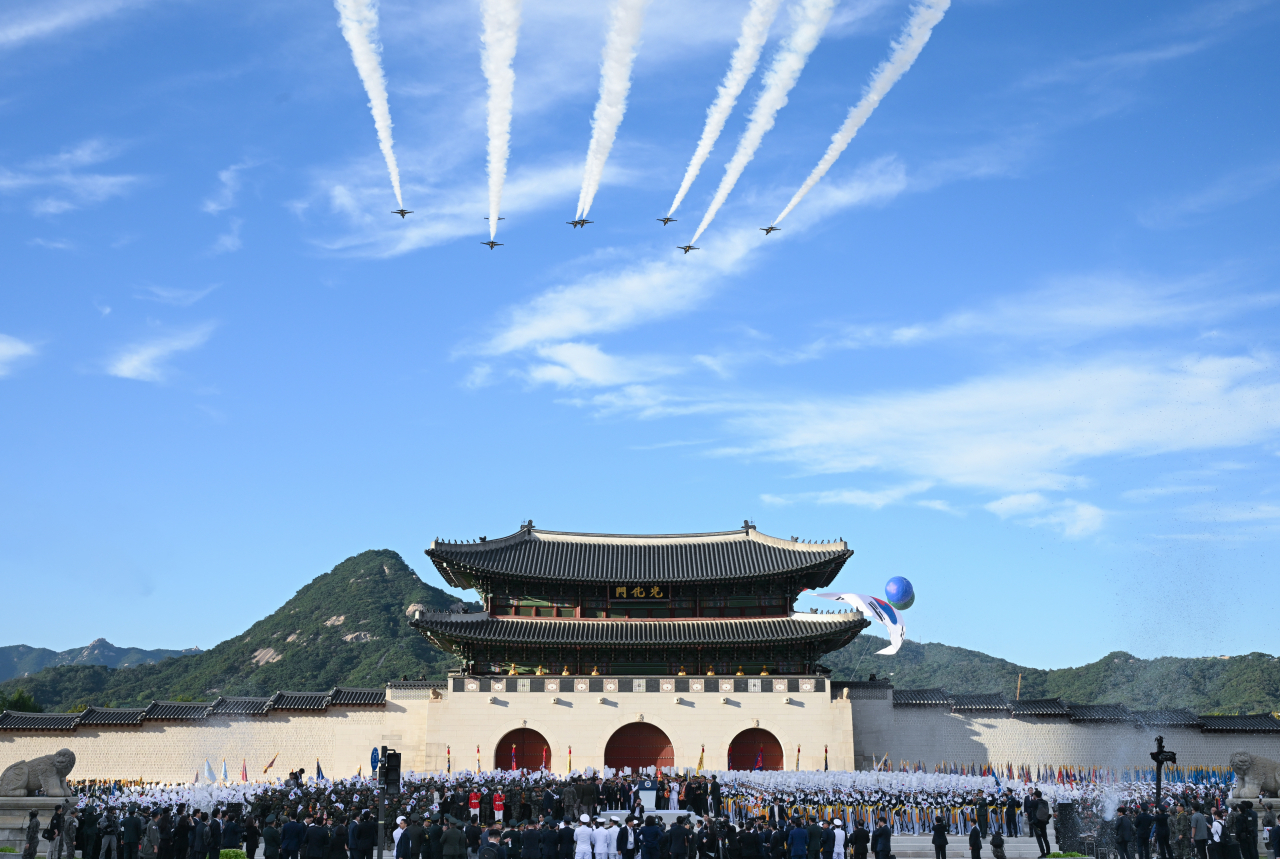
531	750
755	745
637	745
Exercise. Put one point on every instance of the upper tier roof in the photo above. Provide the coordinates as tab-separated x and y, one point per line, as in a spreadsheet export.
666	558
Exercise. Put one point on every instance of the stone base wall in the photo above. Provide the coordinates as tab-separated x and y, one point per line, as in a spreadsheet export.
935	734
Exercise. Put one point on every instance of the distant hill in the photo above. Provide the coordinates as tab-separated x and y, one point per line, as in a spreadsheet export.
18	660
346	627
350	627
1203	684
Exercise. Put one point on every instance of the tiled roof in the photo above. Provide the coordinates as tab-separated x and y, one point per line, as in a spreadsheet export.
662	558
1169	719
1039	707
173	711
241	707
417	684
921	698
993	701
111	716
299	700
14	721
1252	724
344	696
1100	713
639	633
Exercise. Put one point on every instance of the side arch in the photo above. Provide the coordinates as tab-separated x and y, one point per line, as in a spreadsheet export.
638	745
526	747
756	744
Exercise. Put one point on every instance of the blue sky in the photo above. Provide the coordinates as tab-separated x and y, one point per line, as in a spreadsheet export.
1018	346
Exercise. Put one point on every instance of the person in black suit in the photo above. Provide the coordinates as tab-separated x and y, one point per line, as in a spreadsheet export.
366	836
1125	831
315	842
549	840
881	839
215	834
1143	824
749	842
975	843
940	830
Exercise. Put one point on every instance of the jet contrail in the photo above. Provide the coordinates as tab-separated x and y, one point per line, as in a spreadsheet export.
811	19
501	27
918	30
360	27
755	29
626	19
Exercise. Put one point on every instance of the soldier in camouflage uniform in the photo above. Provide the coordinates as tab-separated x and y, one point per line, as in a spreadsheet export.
1180	829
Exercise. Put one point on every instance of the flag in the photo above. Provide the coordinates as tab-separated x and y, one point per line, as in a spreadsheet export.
545	749
759	759
513	757
319	772
571	759
208	771
797	758
881	611
478	757
702	754
824	758
224	770
244	769
270	765
448	759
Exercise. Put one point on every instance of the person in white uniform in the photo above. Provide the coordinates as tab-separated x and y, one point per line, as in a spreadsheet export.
599	840
582	839
839	832
611	845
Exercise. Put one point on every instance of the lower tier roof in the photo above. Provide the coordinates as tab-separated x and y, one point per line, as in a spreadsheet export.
444	630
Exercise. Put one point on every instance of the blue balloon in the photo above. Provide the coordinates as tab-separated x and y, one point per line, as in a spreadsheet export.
899	593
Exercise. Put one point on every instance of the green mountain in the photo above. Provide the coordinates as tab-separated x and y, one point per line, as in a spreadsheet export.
18	660
1203	685
348	627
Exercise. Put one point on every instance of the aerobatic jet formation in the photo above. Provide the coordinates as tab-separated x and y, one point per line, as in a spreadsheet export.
402	212
581	222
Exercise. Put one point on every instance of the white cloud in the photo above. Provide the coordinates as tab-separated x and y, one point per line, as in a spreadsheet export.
52	244
175	296
50	18
1073	518
74	189
228	186
229	242
1018	505
13	350
1150	492
614	299
1023	430
584	364
145	361
1235	187
939	505
874	499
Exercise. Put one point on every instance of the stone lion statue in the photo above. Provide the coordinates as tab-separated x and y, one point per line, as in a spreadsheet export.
1254	775
48	773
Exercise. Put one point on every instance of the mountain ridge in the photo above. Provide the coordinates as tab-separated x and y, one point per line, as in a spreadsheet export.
17	660
349	627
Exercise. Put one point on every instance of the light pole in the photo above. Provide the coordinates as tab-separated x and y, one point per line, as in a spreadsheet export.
1161	757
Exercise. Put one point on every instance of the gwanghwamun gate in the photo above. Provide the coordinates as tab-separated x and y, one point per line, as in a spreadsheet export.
629	651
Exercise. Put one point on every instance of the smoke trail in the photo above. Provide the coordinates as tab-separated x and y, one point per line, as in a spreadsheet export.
501	27
811	19
360	28
755	29
918	30
627	17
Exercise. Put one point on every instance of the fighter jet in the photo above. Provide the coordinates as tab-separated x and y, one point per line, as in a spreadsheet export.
665	221
492	244
581	222
687	248
769	229
486	217
402	213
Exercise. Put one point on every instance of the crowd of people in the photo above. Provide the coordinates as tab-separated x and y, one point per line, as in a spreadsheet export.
592	815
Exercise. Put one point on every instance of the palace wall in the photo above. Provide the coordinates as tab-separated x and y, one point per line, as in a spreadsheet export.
421	721
936	734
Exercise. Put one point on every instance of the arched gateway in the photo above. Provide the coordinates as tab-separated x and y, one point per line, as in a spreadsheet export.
755	747
637	745
531	750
